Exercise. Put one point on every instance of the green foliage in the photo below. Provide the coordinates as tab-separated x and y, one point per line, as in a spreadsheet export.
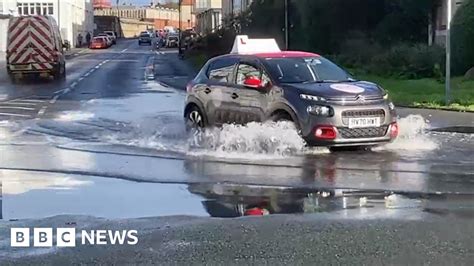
426	92
408	61
462	39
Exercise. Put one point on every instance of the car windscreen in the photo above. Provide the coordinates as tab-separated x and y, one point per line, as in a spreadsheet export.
305	69
144	35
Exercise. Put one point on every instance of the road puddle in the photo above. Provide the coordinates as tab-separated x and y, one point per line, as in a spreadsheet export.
29	194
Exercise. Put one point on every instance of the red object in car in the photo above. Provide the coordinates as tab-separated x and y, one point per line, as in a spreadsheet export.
253	82
394	130
325	132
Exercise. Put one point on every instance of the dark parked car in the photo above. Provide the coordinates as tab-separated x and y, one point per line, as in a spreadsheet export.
144	38
327	105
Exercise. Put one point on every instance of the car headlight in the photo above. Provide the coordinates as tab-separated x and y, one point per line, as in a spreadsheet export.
312	98
319	110
385	96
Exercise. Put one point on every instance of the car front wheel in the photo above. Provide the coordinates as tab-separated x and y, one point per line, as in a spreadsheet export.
195	118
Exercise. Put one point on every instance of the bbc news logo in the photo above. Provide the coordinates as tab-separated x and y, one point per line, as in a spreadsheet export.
66	237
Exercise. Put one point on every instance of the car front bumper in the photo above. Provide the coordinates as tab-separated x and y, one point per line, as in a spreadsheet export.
346	136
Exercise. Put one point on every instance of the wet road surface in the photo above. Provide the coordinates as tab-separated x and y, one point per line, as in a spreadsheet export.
109	141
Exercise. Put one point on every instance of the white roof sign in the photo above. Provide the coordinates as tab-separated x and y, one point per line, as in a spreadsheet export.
244	45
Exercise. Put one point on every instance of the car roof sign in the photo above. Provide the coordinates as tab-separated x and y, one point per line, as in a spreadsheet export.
244	45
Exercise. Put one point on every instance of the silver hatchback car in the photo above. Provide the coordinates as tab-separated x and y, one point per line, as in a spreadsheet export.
327	105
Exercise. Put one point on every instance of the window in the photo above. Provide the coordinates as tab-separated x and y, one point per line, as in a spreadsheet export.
244	71
50	9
38	8
221	70
300	70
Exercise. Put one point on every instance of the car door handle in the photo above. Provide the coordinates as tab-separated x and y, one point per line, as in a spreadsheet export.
234	96
207	90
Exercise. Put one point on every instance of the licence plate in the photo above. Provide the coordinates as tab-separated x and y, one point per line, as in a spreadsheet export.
364	122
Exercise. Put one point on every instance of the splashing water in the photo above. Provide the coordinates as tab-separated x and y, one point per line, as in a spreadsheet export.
265	140
413	136
256	140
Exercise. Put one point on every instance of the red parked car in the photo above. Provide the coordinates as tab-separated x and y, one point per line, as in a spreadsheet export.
98	43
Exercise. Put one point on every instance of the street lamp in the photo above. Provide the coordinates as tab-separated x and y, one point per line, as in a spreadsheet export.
286	25
179	26
448	53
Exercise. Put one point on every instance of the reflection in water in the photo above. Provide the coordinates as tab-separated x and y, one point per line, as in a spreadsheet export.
232	200
18	182
381	170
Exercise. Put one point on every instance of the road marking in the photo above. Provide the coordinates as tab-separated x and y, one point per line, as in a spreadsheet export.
55	98
123	51
59	91
87	74
17	107
76	54
27	101
66	90
74	84
18	115
162	53
43	109
80	79
19	103
97	67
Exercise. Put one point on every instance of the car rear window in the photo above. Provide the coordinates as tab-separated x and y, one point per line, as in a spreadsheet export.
144	35
221	69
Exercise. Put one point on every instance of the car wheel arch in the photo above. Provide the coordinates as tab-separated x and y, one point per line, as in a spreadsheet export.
283	109
192	103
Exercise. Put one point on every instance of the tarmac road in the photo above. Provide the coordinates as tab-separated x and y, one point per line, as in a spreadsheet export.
103	142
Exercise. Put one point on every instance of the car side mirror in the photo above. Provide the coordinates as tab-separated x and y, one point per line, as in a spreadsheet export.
253	82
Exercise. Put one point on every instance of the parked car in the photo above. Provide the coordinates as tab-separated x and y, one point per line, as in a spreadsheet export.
172	40
99	42
34	46
112	35
144	38
107	37
327	106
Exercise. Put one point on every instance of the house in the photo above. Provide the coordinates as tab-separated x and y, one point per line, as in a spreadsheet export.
73	16
438	24
232	8
157	15
208	15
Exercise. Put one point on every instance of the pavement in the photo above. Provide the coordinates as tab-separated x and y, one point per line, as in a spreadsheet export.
277	240
107	147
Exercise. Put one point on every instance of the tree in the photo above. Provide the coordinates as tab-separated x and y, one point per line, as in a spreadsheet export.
462	39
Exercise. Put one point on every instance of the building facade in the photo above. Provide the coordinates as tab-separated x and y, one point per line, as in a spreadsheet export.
208	15
74	17
160	16
97	4
232	8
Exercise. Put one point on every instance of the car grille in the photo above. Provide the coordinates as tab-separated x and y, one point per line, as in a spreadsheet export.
357	133
362	113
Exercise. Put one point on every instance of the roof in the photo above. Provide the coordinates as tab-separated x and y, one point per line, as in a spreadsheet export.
285	54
